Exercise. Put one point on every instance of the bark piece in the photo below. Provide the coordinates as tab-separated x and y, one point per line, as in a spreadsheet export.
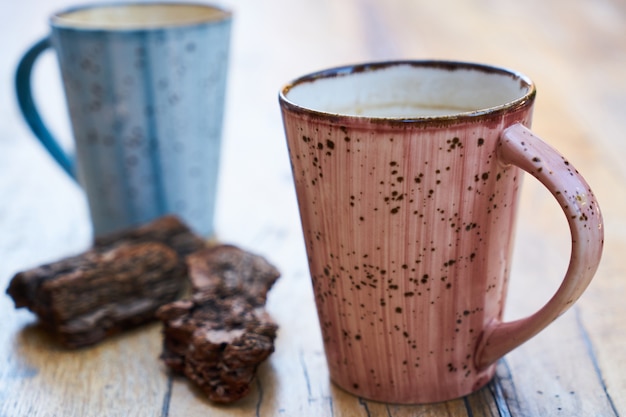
219	337
116	285
169	230
232	267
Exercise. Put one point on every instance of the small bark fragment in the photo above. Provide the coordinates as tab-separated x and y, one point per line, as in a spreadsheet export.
219	337
231	267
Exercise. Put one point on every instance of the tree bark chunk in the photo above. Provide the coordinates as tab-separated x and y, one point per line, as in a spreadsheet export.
117	285
169	230
220	336
231	267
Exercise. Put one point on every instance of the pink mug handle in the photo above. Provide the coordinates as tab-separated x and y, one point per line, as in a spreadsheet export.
520	147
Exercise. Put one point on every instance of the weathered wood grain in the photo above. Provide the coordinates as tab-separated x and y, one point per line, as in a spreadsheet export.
574	51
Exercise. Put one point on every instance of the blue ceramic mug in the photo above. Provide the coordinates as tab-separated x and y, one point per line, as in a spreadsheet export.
145	86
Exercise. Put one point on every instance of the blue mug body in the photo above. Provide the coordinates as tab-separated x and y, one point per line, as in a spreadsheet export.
145	87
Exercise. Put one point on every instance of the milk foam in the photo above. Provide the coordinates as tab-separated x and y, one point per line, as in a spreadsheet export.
403	110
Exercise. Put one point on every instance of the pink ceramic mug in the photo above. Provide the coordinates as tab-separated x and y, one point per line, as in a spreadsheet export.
408	176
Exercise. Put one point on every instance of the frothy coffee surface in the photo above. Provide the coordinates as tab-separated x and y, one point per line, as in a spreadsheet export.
403	110
138	16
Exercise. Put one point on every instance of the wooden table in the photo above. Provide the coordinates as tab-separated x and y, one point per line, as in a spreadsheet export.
574	50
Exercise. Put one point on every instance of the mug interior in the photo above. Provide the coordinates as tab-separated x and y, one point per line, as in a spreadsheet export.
409	90
138	16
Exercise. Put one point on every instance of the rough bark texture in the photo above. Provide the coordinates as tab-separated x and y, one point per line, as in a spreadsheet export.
231	267
218	338
168	230
117	285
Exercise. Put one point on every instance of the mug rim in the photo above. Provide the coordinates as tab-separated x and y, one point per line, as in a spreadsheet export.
57	22
524	100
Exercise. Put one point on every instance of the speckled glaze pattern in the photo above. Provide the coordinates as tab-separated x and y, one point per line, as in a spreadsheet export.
409	230
146	108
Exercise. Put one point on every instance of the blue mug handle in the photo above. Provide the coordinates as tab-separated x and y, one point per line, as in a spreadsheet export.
29	110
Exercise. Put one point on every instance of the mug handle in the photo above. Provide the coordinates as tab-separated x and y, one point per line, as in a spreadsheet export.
519	146
29	110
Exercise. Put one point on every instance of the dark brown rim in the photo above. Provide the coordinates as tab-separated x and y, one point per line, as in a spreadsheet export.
521	102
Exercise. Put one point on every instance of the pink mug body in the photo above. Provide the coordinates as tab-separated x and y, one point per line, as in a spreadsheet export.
408	213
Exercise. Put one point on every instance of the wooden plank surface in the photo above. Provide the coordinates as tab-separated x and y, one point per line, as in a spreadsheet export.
574	50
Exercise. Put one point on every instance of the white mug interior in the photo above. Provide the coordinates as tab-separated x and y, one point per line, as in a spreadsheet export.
410	90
